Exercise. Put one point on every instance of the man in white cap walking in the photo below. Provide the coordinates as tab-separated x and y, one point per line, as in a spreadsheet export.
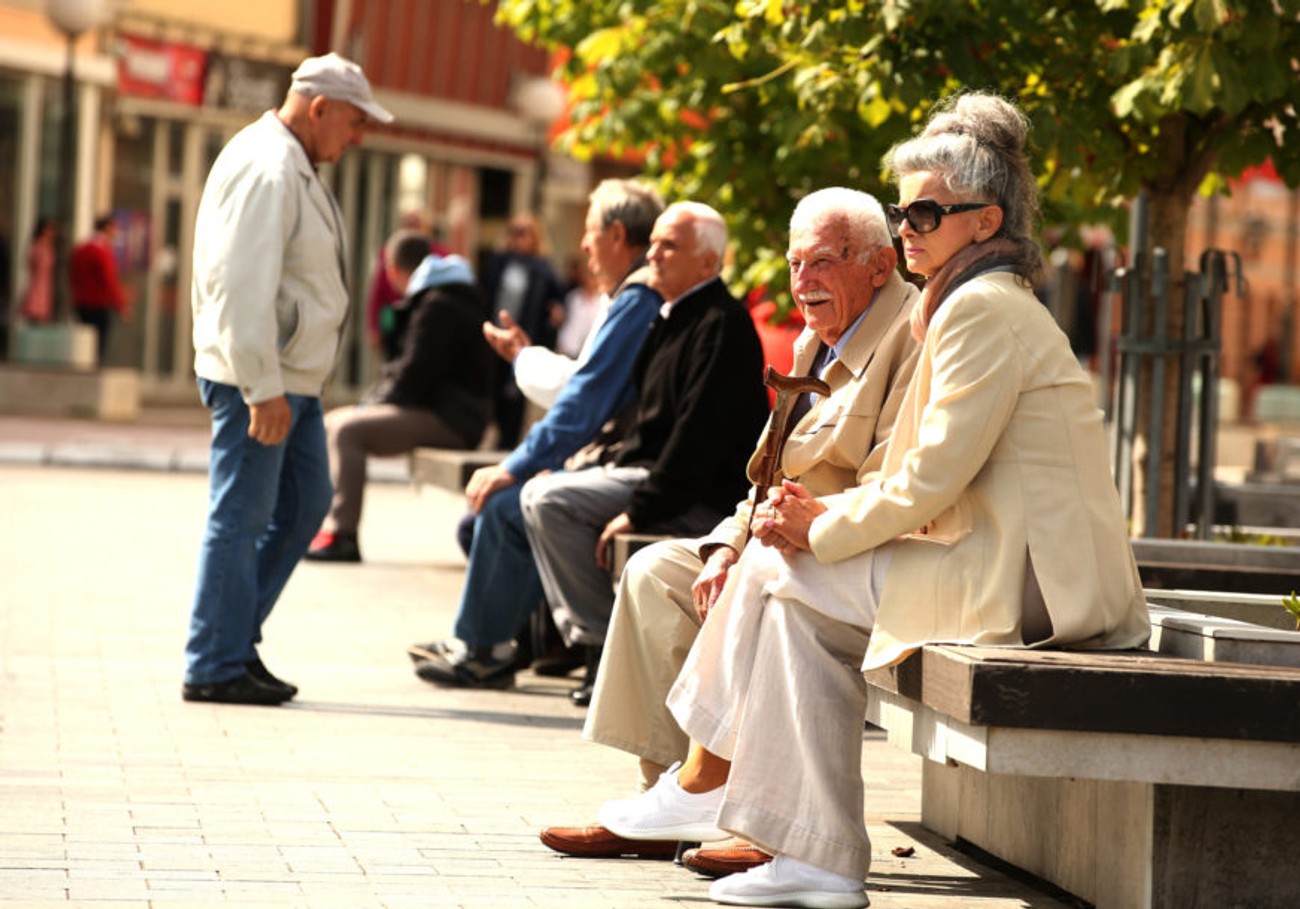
270	301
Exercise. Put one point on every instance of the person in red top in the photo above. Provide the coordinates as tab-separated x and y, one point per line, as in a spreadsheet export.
96	291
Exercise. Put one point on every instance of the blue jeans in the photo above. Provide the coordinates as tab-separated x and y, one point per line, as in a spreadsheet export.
502	585
265	503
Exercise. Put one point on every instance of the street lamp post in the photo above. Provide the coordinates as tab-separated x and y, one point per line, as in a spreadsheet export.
540	100
72	18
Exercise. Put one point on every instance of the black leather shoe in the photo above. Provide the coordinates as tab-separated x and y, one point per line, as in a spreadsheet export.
581	696
242	689
257	669
559	661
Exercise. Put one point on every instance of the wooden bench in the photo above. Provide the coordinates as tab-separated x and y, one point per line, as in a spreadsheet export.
622	547
1139	780
449	468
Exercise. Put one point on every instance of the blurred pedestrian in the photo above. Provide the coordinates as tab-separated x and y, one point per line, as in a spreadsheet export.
581	304
37	303
97	292
270	301
521	284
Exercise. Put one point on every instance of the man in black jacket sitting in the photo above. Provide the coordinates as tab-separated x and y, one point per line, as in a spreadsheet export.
436	393
681	466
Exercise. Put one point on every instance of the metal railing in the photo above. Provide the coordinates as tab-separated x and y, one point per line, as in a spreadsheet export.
1144	291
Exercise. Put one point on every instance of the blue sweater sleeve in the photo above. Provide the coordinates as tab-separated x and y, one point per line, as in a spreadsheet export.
597	391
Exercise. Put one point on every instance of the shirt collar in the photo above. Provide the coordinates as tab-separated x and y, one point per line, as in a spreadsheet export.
847	336
669	305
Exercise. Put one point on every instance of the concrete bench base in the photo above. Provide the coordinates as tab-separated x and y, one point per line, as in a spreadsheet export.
101	394
1126	845
1136	780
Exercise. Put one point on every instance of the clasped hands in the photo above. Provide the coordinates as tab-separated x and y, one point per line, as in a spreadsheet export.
784	519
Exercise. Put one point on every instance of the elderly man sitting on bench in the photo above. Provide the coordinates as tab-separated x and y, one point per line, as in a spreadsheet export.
844	279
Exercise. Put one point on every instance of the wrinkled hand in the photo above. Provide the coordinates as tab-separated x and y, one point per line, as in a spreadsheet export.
269	421
620	524
484	482
784	520
711	579
508	339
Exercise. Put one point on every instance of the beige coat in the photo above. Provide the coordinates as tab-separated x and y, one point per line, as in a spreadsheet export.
842	439
997	472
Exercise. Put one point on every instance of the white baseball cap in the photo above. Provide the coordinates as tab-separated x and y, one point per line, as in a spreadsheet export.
338	78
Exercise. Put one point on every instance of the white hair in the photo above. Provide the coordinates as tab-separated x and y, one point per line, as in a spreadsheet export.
860	211
709	228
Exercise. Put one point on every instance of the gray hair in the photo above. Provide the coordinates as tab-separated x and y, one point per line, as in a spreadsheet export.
709	228
860	211
976	143
634	205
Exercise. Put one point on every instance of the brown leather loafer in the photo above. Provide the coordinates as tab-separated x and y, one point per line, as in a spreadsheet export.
723	860
597	842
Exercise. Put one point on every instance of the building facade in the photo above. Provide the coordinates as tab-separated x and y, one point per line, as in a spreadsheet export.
163	84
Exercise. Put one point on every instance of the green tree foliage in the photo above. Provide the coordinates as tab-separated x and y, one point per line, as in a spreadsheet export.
749	104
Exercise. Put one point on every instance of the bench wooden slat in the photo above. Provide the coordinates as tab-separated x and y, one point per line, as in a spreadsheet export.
1137	692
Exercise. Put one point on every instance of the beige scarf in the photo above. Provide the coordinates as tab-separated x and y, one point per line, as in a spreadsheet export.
997	254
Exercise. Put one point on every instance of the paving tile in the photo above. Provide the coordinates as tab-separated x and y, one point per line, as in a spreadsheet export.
372	789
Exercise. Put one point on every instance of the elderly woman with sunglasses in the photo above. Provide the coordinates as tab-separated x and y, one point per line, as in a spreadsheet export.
993	522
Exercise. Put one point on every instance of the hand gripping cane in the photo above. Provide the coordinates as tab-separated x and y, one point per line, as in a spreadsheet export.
788	389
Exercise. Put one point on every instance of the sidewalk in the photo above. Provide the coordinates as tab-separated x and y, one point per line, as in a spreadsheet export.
373	789
163	439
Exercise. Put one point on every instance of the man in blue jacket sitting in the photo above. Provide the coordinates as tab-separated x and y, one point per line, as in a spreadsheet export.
501	583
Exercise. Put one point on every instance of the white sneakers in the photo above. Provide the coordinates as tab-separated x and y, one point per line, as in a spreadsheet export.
666	811
786	881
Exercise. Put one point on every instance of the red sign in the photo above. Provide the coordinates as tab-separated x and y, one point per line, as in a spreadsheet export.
160	69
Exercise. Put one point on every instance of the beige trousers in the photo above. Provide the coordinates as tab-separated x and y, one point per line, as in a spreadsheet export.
773	683
651	631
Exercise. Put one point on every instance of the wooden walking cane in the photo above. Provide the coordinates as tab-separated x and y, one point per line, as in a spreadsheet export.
788	389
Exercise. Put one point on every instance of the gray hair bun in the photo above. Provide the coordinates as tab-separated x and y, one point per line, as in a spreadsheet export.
988	119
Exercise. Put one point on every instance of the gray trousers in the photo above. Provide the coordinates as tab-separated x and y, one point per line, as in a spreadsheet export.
565	513
652	629
382	430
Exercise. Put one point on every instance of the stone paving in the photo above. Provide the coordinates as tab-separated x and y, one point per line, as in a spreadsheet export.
372	789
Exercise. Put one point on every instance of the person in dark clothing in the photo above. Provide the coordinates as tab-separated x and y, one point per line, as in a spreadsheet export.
523	286
436	393
681	463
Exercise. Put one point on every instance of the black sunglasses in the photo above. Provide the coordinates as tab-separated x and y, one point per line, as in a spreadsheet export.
925	215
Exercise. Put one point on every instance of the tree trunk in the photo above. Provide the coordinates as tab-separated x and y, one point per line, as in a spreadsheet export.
1168	214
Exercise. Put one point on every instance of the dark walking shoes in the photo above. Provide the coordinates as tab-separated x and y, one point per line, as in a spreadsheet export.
256	686
243	689
257	669
581	696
